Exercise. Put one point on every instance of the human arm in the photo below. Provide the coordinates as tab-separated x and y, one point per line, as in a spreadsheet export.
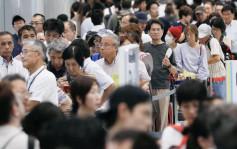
107	92
66	104
214	59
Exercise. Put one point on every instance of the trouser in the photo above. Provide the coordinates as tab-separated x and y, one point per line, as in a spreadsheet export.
219	88
160	116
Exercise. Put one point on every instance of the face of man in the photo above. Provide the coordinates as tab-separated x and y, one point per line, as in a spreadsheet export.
142	25
40	36
125	20
37	23
140	117
142	6
50	35
17	25
56	59
208	8
204	39
218	9
29	56
27	35
201	16
108	49
155	31
68	33
6	46
227	16
187	19
154	11
20	91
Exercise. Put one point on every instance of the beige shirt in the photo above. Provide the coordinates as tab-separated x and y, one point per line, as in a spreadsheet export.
216	70
114	68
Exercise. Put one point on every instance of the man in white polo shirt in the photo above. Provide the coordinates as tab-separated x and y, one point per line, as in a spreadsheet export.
8	65
41	83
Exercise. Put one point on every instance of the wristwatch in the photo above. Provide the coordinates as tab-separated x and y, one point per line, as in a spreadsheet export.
168	67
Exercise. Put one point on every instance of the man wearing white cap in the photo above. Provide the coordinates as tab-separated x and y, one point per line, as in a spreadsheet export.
215	58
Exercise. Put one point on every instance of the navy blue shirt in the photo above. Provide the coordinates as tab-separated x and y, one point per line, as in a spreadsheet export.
58	74
17	47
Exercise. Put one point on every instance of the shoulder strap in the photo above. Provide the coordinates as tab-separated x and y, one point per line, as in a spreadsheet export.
222	37
10	139
200	50
110	12
31	143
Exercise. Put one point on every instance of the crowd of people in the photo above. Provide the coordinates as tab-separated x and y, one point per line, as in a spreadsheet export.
59	86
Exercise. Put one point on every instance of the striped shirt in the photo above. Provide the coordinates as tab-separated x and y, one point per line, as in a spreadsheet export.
217	69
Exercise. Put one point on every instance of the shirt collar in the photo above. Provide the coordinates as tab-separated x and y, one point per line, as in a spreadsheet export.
36	72
114	61
51	68
86	62
5	61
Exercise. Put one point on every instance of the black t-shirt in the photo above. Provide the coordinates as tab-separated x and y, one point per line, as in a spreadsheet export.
160	74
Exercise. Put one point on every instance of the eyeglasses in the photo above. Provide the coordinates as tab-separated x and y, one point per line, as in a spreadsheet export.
36	23
96	41
20	23
25	52
104	45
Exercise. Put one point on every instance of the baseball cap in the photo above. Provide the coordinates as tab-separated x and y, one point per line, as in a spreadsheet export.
17	18
141	16
204	30
199	10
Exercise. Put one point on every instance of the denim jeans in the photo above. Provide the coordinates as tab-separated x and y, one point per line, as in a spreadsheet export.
219	89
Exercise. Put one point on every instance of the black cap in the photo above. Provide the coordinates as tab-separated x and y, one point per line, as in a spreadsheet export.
17	18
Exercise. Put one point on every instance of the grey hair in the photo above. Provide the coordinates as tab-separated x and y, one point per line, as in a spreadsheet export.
114	36
38	43
57	45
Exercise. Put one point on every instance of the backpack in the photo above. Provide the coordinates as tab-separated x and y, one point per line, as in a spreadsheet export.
107	17
228	55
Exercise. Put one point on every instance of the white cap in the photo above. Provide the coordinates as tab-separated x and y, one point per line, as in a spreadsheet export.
204	30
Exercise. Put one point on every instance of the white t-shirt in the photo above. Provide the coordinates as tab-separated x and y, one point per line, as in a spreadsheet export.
13	67
42	86
12	137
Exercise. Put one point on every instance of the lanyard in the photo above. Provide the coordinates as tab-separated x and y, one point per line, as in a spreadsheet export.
34	79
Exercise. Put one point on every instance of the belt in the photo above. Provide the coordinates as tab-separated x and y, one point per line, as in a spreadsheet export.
217	79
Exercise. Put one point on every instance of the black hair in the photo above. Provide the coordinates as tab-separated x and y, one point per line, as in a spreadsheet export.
75	133
133	18
140	140
140	1
54	25
185	11
180	3
73	52
148	6
219	3
200	127
83	46
26	27
75	6
62	17
40	115
80	87
209	1
3	33
223	126
13	77
71	25
129	95
226	8
154	21
126	4
97	17
99	6
7	100
191	90
218	23
41	15
214	14
197	2
231	4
